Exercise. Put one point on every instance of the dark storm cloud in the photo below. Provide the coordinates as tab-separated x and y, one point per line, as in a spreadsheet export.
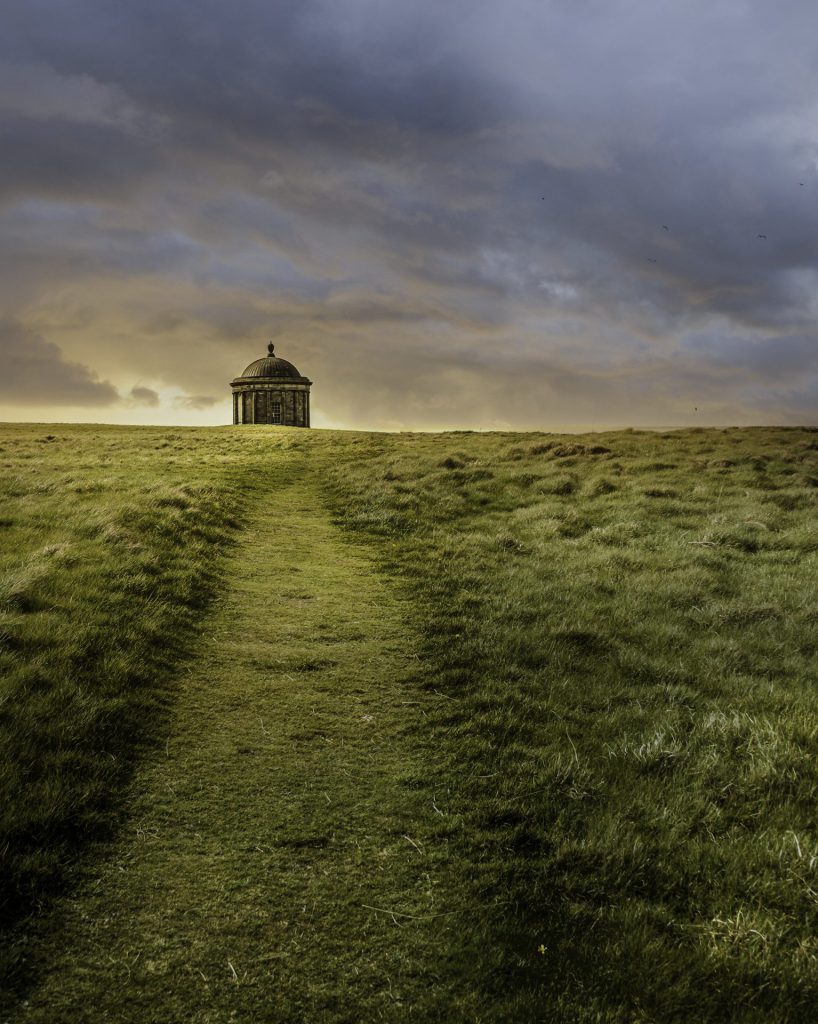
566	197
145	396
773	358
241	67
68	160
35	373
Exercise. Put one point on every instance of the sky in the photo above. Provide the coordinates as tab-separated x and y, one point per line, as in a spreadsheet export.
534	214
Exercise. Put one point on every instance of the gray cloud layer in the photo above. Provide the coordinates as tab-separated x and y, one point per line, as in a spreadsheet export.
461	213
35	373
145	396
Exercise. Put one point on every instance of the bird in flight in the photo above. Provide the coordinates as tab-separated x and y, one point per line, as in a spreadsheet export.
762	236
651	259
801	183
666	227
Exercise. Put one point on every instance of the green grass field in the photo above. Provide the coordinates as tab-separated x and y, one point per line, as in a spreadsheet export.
313	725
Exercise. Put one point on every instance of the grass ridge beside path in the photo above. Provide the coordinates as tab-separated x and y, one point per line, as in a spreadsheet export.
110	545
625	627
286	853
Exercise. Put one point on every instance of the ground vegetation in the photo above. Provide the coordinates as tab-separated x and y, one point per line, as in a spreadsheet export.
601	733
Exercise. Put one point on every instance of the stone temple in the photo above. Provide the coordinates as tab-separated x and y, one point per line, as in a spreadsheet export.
271	390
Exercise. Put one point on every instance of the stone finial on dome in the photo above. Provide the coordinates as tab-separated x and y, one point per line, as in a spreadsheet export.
271	349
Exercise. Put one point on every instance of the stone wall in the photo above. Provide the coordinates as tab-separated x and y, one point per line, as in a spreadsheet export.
285	404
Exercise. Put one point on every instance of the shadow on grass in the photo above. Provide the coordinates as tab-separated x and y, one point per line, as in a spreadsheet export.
90	641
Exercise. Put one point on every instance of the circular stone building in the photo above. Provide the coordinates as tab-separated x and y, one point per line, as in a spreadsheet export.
271	390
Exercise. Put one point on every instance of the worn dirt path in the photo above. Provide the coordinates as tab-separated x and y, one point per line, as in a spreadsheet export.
293	795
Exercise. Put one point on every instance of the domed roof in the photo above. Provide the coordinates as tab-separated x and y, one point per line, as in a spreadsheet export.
271	365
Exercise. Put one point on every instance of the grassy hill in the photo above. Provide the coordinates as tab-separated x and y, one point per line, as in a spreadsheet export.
614	638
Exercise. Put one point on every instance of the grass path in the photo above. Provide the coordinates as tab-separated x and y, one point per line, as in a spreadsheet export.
292	795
